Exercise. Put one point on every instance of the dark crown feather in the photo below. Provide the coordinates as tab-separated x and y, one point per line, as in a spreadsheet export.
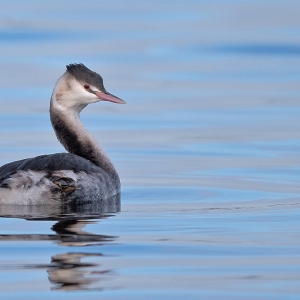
85	75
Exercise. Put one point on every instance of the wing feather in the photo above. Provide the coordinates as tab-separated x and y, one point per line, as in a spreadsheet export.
48	163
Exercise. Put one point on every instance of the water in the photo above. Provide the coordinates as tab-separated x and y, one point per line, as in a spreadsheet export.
207	148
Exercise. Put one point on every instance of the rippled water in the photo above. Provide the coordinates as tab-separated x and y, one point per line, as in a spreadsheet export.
207	149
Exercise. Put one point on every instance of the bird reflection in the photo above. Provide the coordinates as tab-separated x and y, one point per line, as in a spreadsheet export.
67	271
71	233
70	270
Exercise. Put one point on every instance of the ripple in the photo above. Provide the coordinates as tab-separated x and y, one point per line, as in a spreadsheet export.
260	49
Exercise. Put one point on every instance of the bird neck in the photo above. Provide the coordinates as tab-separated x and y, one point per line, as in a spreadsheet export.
73	135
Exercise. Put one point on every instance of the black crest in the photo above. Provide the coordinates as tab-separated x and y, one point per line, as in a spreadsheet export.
85	75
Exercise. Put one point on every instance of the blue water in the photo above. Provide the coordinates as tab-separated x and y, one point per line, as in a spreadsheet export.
207	148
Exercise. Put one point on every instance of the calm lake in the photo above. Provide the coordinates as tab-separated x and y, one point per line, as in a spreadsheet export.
207	149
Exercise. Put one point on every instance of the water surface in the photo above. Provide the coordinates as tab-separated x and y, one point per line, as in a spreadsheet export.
207	149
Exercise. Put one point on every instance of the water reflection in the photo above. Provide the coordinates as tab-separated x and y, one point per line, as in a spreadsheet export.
71	270
75	212
71	233
67	271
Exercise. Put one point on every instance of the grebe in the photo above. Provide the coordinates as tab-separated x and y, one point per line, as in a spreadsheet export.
85	173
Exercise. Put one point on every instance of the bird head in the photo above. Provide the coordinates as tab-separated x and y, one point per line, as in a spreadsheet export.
79	86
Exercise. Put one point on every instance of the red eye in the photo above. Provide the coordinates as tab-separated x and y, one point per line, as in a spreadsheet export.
86	86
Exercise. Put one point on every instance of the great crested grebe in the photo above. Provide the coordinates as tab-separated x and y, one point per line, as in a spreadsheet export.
82	175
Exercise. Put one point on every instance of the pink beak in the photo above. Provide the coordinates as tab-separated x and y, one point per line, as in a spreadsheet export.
109	97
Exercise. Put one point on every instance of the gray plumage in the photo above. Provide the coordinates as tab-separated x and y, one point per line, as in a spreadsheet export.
83	175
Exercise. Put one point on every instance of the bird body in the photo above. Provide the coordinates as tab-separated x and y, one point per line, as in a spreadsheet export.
85	173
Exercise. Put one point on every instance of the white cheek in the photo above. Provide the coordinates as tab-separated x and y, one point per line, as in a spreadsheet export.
90	98
93	98
72	94
79	95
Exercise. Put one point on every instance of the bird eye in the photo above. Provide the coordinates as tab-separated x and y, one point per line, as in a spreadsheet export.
86	86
